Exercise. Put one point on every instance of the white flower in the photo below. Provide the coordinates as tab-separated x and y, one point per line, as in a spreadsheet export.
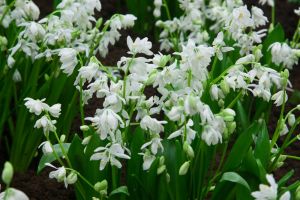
87	73
128	20
283	54
212	132
148	159
45	123
219	46
241	17
55	110
13	194
152	124
190	133
139	46
36	106
106	122
258	17
176	113
109	154
17	76
31	10
154	144
68	59
270	2
46	147
216	93
279	97
269	192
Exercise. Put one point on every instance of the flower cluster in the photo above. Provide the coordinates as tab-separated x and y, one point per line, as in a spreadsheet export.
73	32
38	107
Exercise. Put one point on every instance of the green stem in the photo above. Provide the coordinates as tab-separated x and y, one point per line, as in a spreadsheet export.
235	99
293	157
278	128
285	144
6	10
81	103
114	177
273	14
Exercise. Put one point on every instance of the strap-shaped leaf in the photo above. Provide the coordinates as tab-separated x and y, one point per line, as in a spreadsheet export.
120	190
240	148
235	178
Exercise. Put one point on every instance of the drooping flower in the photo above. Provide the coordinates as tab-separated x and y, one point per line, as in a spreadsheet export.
152	124
106	122
68	60
142	46
36	106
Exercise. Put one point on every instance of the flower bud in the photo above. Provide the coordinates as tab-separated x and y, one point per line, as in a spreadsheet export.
161	169
161	160
7	173
101	186
291	119
228	114
298	107
72	178
17	76
168	177
285	74
151	78
231	127
86	140
3	43
84	128
188	150
62	138
225	87
99	23
184	168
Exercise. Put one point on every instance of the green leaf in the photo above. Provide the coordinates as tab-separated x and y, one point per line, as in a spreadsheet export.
242	118
285	178
49	158
120	190
262	148
235	178
240	148
276	35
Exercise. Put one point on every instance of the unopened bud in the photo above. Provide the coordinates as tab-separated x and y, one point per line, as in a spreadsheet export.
225	87
101	186
151	78
99	23
62	138
72	178
161	169
168	177
84	128
86	140
188	150
291	119
184	168
161	160
7	173
231	127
